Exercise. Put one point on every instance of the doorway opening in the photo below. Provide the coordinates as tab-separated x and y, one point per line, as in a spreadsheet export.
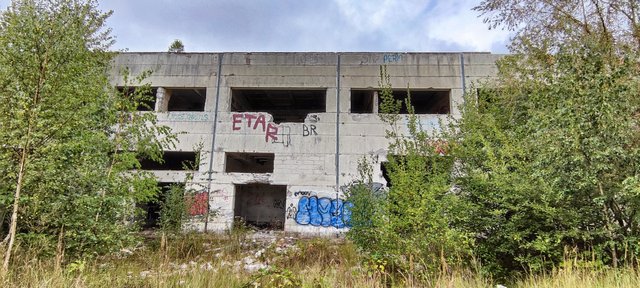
261	205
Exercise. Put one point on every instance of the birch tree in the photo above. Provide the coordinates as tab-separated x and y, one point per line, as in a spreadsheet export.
66	137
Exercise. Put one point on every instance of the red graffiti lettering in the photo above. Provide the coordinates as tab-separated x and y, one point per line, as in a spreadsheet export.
254	121
272	132
261	120
249	118
237	119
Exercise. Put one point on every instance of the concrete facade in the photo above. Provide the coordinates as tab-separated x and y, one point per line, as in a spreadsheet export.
282	132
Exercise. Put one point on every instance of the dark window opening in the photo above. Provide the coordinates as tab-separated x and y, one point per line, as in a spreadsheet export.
362	101
172	160
261	205
249	162
283	105
385	173
423	101
151	210
146	101
187	99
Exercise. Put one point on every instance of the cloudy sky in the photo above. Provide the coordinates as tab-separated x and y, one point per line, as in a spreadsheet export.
301	25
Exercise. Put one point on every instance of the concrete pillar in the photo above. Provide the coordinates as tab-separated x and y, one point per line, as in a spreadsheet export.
375	102
162	100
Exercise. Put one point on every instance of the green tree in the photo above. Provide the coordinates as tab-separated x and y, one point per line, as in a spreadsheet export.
410	227
69	140
549	150
176	46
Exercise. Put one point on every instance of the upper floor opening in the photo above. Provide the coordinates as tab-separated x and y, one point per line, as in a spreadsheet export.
285	105
424	101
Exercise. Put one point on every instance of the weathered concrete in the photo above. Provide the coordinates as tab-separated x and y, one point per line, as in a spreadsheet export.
305	152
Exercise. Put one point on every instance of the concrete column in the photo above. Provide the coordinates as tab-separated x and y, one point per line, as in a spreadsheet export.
375	102
160	100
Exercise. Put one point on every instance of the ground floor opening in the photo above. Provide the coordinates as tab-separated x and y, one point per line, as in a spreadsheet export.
261	205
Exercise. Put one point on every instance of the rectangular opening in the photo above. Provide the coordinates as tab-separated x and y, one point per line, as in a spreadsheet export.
151	210
172	160
290	105
424	101
362	101
186	99
146	101
248	162
261	205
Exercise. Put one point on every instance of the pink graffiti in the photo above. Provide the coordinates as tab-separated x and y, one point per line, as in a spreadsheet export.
254	122
198	204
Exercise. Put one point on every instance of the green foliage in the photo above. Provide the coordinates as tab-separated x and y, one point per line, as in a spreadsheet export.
176	46
177	201
173	209
409	228
69	140
274	277
549	151
367	210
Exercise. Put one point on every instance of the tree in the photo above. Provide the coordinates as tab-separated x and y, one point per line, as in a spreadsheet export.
176	46
549	150
409	226
69	140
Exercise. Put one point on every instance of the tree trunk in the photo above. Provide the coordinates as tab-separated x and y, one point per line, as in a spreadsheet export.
605	211
14	214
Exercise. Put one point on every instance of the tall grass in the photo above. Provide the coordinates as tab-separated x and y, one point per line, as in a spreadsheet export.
204	260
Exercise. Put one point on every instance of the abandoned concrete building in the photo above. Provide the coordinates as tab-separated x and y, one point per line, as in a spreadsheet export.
281	134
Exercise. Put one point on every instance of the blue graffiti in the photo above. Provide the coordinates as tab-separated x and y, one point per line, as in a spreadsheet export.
392	58
323	212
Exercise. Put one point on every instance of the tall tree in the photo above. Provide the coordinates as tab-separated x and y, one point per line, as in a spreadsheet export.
549	151
67	136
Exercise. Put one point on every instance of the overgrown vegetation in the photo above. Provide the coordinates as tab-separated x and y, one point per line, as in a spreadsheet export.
407	229
542	163
202	260
549	150
69	141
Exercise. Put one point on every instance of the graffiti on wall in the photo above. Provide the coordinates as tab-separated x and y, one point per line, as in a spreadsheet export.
284	135
278	203
291	211
188	116
274	133
302	193
392	58
374	58
309	130
258	121
325	212
198	203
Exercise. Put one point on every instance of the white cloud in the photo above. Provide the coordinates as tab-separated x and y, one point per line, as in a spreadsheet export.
455	22
301	25
418	25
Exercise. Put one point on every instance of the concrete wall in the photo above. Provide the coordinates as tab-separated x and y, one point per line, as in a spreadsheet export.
310	159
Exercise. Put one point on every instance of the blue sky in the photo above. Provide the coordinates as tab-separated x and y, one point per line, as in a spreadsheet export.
301	25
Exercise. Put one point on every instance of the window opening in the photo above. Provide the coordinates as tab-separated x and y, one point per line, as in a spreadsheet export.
249	162
362	101
171	160
424	101
186	99
151	209
284	105
385	173
147	101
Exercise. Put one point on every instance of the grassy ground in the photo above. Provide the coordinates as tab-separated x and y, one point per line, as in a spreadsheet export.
263	260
